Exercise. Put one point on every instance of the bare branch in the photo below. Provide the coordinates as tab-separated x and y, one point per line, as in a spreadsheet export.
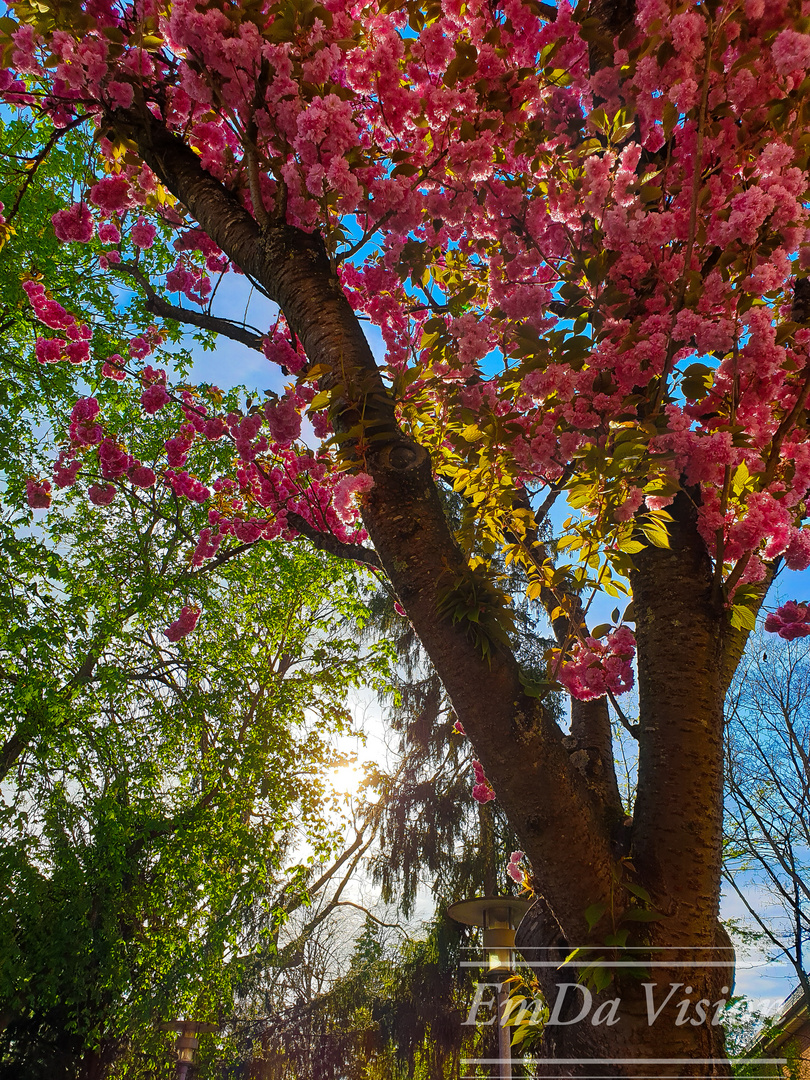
156	304
379	922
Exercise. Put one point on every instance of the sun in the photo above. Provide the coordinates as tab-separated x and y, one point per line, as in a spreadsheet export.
346	779
352	782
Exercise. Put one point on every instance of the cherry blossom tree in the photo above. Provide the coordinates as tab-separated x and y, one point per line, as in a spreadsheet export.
582	234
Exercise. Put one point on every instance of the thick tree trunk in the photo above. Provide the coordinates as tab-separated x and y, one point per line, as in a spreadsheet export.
674	849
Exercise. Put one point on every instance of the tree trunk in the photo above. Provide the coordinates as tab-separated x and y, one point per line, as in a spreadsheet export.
674	850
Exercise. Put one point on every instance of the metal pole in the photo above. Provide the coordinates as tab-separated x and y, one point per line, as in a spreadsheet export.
504	1040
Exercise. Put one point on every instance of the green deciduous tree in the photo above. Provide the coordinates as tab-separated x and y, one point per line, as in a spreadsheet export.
164	802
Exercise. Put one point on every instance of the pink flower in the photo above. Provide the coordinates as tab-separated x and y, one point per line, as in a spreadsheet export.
482	793
139	347
458	728
101	494
279	350
206	547
77	352
121	94
141	475
482	790
284	421
114	461
182	483
248	531
596	667
112	195
109	233
151	375
214	428
38	493
513	867
143	233
791	52
177	449
797	553
183	624
789	621
154	398
113	368
49	350
75	223
631	503
687	32
64	474
83	429
346	490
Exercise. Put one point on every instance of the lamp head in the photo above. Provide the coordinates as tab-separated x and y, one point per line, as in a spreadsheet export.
498	916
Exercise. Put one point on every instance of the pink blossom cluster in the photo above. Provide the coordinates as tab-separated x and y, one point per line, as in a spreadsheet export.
112	195
74	223
76	347
283	420
189	487
65	469
101	494
114	461
184	624
596	666
347	491
513	867
478	188
272	478
789	621
197	240
482	790
278	349
114	368
38	493
190	280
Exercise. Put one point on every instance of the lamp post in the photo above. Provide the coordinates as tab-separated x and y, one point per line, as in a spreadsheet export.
498	916
187	1042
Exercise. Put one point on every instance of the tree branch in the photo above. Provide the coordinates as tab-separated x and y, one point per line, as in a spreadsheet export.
329	543
379	922
37	161
165	310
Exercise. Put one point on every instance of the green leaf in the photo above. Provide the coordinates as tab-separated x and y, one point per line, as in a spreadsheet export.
638	890
655	533
642	915
743	618
594	913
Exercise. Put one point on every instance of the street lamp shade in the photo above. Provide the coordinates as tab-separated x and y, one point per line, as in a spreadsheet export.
498	917
187	1042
